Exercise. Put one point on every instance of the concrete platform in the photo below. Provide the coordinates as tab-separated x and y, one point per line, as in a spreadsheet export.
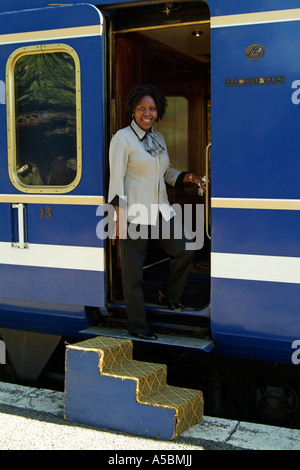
32	418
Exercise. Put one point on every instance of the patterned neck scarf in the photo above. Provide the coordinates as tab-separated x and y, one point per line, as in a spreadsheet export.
152	143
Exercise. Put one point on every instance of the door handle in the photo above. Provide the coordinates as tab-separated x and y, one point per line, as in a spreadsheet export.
21	226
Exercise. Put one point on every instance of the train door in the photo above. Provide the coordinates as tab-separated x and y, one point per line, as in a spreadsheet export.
256	231
169	46
51	167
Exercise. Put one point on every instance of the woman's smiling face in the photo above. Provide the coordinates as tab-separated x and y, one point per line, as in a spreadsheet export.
145	113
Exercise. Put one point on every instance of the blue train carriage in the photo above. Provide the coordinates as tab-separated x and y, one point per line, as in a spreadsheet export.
231	75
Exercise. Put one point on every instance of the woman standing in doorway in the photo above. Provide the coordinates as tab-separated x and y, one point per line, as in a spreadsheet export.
139	171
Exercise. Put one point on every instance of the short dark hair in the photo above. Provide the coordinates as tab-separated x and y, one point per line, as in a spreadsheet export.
138	92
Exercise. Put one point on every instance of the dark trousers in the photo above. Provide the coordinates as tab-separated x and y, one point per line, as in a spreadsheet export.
133	253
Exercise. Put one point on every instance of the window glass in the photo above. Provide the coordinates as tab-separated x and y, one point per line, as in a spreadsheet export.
45	140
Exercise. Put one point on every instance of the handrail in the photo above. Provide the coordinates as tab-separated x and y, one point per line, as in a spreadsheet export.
207	153
21	225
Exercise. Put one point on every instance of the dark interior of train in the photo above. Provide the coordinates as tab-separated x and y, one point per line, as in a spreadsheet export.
167	45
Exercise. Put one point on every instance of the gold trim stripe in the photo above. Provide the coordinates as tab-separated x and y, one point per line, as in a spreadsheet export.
256	18
52	199
49	34
273	204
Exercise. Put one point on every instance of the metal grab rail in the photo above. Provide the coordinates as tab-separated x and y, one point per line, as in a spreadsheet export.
21	225
207	154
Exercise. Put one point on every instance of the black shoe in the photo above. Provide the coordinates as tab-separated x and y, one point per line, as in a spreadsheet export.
148	336
162	300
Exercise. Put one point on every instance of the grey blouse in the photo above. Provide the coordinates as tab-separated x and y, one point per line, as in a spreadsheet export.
137	178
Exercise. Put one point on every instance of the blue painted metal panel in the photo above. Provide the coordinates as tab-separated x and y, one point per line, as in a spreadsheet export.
62	319
5	228
253	127
239	7
92	181
255	148
73	225
262	232
78	223
69	286
48	18
256	319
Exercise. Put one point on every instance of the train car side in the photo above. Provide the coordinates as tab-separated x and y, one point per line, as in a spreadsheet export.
54	264
255	202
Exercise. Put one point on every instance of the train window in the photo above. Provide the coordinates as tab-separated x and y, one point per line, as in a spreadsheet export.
44	124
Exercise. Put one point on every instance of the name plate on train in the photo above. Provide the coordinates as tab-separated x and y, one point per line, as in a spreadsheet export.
273	80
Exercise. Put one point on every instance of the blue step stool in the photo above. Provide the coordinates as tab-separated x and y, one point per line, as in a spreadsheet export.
105	387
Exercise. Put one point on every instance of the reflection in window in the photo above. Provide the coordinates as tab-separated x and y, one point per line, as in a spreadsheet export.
45	117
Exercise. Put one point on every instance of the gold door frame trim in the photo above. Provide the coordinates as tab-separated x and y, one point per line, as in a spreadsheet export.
11	121
162	26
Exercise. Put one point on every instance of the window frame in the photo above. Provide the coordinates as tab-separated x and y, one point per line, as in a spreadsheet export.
11	118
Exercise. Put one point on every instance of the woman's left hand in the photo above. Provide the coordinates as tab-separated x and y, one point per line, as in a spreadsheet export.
199	180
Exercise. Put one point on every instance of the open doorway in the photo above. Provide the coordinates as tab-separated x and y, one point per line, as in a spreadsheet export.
168	45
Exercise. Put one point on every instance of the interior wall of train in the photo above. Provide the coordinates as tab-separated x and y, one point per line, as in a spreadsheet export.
167	45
